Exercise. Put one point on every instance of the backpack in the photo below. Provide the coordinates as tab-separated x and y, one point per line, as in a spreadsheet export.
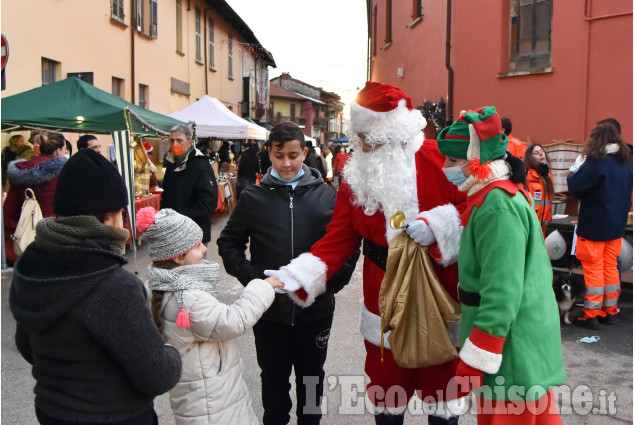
25	232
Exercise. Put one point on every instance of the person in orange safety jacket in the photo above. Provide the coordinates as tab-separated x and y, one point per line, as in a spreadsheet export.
539	182
515	146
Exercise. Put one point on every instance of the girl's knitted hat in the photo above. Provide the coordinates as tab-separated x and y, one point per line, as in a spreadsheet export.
169	233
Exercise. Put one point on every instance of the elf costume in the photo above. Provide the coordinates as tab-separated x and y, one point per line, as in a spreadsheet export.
510	330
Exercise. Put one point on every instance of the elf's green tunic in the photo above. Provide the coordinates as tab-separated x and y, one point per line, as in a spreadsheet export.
503	259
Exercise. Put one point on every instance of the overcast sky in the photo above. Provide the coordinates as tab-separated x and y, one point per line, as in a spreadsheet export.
322	43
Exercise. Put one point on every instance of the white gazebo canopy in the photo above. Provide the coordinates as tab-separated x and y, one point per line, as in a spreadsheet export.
213	119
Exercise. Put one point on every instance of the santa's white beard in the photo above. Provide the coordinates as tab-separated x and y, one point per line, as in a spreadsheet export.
384	178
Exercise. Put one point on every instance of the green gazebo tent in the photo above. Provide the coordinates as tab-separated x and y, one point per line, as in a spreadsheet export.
72	105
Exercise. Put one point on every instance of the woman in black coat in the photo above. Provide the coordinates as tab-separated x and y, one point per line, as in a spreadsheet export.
83	321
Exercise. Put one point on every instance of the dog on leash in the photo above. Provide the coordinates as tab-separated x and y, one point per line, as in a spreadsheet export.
567	289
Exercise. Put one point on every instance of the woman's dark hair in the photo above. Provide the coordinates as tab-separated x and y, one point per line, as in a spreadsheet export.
518	170
156	301
601	136
53	142
285	132
531	163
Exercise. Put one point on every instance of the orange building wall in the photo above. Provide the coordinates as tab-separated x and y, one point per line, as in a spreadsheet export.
591	74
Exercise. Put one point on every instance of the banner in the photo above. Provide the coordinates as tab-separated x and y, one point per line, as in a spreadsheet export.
562	156
263	86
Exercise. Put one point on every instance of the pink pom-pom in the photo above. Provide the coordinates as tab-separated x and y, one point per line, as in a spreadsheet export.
182	319
145	218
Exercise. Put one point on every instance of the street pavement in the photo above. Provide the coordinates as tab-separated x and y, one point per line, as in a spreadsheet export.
598	391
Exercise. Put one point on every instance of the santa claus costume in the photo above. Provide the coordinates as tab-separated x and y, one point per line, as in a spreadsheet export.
399	172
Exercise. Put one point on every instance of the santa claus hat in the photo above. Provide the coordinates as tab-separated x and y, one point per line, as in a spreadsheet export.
378	107
476	135
147	146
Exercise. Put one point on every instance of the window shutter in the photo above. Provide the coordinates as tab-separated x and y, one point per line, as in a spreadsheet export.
154	24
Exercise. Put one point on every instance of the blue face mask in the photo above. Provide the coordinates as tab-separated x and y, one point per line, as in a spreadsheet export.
455	174
277	176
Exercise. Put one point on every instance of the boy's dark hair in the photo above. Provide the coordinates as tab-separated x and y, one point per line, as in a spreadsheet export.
507	125
82	142
285	132
613	122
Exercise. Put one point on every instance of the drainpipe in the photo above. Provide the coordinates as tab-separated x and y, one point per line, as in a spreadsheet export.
132	68
448	32
205	44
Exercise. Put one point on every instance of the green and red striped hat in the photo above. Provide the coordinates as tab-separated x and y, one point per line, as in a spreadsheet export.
475	135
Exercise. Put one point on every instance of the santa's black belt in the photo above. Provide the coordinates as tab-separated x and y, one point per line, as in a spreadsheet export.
472	299
377	253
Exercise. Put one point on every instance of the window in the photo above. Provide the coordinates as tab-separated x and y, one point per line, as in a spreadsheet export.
388	21
179	27
143	96
50	71
146	17
210	41
117	87
530	34
292	111
417	9
230	48
197	31
116	10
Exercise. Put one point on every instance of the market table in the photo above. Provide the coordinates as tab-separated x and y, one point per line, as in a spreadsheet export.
153	201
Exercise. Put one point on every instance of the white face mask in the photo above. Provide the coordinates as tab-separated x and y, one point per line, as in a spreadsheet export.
455	174
67	156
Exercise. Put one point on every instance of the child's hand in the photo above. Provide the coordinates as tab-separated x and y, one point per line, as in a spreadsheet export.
274	282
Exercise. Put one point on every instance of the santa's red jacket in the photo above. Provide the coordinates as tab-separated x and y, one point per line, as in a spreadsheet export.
440	204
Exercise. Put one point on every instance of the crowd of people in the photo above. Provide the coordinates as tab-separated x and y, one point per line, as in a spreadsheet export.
476	198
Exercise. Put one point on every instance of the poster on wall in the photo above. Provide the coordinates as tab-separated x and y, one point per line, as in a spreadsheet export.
562	156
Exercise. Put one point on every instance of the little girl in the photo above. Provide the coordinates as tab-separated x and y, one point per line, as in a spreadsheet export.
191	319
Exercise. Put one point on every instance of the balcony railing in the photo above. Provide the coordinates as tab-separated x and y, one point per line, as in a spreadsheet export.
321	123
296	120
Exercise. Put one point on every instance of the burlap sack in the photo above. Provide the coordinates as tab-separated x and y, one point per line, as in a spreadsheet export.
415	307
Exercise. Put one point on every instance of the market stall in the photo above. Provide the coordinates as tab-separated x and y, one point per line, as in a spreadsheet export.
72	105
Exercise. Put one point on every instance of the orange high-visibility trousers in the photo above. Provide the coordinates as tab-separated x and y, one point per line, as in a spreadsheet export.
601	277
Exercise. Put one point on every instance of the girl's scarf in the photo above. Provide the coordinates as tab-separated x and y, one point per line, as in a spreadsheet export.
194	276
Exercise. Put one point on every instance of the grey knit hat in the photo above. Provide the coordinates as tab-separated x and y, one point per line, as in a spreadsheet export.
169	233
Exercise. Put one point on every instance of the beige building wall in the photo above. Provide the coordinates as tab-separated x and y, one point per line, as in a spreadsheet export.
82	37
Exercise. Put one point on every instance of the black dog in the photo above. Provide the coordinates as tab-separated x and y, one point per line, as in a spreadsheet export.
567	289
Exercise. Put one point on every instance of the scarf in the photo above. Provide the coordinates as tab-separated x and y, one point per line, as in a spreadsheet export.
194	276
81	230
500	171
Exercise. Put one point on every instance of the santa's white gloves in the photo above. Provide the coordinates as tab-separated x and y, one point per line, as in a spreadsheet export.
291	284
420	232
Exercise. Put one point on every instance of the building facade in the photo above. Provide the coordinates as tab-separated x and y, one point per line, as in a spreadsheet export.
555	68
320	111
161	55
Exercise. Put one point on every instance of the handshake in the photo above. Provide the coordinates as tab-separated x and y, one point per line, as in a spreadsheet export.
291	284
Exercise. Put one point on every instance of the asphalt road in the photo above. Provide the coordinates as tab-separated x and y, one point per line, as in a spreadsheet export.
601	371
